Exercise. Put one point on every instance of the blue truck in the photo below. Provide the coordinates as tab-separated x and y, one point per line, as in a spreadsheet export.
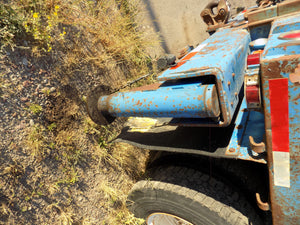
222	123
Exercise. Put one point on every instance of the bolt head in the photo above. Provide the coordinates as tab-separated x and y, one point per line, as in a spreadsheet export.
231	150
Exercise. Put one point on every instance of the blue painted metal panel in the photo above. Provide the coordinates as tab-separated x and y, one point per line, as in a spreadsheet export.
277	47
261	31
223	55
225	50
248	123
281	60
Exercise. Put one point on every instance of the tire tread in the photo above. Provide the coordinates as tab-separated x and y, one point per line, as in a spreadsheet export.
198	187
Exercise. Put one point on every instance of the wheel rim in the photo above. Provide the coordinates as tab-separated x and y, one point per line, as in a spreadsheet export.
165	219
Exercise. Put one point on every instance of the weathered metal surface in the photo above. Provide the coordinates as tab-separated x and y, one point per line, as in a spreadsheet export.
156	134
179	100
288	7
221	17
279	64
92	99
252	90
262	14
247	124
268	13
203	84
259	18
265	206
221	55
261	31
257	147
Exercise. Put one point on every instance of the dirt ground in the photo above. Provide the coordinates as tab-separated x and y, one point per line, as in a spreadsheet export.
179	23
53	168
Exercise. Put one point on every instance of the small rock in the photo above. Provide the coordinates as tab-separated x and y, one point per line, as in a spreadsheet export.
31	123
26	83
25	62
20	88
24	99
53	89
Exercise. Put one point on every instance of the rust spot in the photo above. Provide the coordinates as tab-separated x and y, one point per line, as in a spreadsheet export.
295	76
239	127
215	42
166	98
231	150
139	103
296	98
286	44
200	97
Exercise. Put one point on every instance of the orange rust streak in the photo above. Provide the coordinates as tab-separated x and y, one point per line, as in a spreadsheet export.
183	60
178	65
187	57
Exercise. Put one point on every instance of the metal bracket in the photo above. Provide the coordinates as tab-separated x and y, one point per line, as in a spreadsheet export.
256	147
265	206
254	82
214	20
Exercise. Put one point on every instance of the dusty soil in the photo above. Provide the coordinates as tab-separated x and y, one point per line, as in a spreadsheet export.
56	166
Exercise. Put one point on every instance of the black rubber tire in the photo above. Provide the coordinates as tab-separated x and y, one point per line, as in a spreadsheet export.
192	196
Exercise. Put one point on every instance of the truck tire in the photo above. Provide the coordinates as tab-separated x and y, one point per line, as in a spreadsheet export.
186	196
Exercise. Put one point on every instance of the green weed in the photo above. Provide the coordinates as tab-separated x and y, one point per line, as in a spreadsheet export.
52	126
35	108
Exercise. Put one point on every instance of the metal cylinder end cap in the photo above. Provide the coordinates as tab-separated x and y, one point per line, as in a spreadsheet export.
95	114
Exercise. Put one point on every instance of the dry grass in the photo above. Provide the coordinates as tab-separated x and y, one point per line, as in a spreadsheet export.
100	34
82	40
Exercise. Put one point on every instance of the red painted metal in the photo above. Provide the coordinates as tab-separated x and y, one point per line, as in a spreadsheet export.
279	103
253	59
252	94
292	35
